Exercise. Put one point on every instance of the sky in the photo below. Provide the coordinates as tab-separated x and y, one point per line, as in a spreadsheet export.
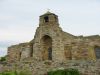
20	18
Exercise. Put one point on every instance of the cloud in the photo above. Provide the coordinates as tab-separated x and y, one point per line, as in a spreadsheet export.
5	18
20	18
4	46
3	51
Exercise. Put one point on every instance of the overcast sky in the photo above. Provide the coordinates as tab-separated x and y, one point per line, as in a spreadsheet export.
20	18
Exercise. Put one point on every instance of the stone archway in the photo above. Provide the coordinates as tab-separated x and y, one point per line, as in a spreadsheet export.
46	46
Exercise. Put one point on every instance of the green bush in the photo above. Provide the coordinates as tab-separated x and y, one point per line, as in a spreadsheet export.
64	72
3	59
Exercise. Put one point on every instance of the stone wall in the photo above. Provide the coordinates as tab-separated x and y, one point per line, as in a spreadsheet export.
1	67
19	52
41	68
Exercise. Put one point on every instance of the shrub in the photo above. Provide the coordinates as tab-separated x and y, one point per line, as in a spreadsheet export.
3	59
64	72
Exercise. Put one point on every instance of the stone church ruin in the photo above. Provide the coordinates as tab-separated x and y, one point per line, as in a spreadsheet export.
52	48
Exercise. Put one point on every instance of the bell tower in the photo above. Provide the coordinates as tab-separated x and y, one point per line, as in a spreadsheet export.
48	39
48	18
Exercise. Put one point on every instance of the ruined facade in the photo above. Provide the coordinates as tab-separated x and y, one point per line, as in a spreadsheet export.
52	49
52	44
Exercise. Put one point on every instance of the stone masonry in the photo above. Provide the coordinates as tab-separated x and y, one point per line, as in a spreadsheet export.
52	48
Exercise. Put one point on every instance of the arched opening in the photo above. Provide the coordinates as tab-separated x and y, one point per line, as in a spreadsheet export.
46	19
46	46
97	52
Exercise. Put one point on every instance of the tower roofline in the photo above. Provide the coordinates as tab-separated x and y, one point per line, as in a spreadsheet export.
48	13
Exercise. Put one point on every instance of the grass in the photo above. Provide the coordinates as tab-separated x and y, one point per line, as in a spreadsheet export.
57	72
16	73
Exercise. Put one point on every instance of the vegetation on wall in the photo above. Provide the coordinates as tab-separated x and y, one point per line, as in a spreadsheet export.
64	72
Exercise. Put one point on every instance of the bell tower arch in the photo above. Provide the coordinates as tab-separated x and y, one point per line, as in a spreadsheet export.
48	18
